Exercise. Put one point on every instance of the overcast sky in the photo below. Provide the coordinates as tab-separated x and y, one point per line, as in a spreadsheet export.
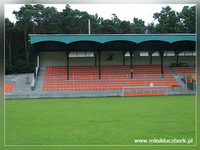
123	11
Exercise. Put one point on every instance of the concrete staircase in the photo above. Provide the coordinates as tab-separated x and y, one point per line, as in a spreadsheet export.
40	79
178	78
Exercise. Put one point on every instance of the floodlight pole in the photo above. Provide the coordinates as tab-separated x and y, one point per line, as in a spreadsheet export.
89	27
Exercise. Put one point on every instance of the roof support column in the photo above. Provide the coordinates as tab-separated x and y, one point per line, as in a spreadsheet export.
161	61
131	56
99	53
177	58
151	58
67	65
95	58
124	60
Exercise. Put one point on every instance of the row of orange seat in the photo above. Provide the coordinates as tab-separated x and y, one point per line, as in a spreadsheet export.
113	77
9	87
181	70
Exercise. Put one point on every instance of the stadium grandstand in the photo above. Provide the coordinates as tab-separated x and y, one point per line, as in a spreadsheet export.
107	65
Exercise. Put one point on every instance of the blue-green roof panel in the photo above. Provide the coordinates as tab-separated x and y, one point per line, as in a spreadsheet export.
103	38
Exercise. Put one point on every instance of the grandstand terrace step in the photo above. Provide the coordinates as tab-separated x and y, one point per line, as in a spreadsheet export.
114	77
181	70
40	79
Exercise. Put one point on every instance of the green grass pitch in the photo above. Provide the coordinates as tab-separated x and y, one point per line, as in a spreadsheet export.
98	121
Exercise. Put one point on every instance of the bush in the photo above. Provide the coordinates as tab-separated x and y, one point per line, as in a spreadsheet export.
10	69
18	66
22	67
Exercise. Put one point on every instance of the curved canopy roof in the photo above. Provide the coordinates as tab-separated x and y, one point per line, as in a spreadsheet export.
103	38
117	42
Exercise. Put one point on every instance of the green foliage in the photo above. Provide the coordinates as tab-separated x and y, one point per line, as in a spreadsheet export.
18	66
150	28
108	27
138	26
22	67
168	21
188	19
124	27
99	121
9	68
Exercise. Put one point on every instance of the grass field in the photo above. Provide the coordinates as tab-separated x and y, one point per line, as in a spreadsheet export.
98	121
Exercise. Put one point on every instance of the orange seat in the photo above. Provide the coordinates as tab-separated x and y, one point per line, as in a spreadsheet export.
113	77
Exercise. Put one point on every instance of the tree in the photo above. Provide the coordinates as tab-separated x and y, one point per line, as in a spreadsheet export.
124	27
9	30
188	19
138	26
75	21
108	27
150	28
95	23
167	20
52	20
115	19
25	22
38	18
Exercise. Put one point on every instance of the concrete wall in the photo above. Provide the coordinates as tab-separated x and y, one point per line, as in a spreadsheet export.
190	60
60	59
81	61
52	59
117	58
